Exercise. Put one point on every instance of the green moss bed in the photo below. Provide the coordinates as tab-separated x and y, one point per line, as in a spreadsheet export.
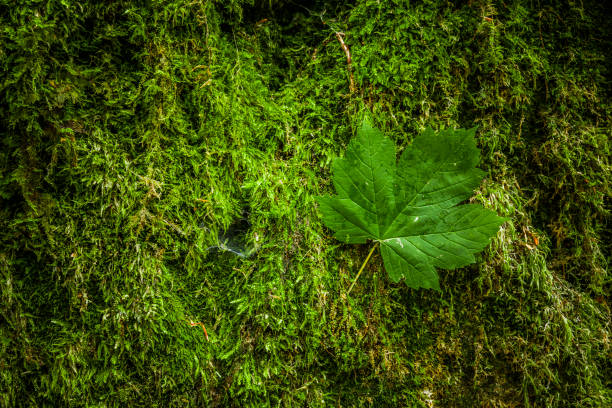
136	135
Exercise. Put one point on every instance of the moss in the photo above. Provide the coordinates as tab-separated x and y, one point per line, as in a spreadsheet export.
135	133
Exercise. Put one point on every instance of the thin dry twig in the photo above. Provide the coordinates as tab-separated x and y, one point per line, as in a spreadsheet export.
192	324
345	47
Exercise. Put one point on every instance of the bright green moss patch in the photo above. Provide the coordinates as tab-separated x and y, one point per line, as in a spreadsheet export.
134	134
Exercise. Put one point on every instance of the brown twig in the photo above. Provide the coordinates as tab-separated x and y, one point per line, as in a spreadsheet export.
192	324
345	47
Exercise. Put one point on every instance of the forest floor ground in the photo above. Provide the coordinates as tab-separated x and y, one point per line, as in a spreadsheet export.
137	135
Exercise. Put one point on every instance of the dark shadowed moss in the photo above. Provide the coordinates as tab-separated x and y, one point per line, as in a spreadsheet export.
135	133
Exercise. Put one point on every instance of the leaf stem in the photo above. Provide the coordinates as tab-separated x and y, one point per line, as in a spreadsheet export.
362	266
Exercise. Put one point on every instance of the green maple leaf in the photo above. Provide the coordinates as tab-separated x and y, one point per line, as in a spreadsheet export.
411	209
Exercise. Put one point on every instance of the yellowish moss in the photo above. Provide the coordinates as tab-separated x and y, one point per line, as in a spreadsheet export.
133	135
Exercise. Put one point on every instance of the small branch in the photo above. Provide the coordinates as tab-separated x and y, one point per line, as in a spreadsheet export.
361	270
192	324
345	47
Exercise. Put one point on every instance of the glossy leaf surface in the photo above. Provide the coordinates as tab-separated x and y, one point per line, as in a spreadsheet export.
410	207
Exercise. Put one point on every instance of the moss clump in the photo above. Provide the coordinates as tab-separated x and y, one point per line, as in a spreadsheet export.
135	133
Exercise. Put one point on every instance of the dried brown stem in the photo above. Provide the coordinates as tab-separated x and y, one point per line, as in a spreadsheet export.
345	47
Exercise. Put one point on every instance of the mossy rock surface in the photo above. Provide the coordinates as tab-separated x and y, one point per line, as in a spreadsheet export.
135	136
